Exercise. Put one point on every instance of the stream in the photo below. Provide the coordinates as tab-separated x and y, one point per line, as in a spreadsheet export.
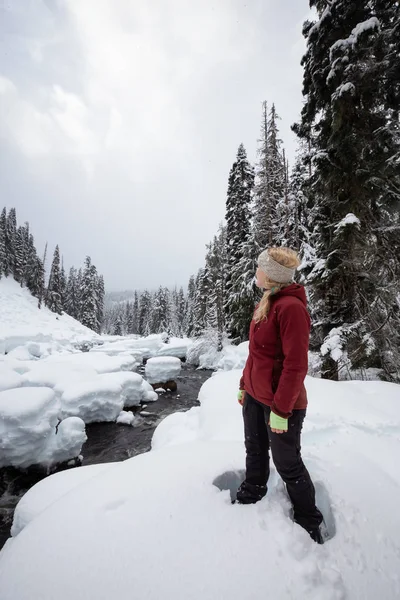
107	442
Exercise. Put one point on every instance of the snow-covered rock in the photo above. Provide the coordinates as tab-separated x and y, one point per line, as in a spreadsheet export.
125	418
162	369
100	399
28	419
133	392
22	321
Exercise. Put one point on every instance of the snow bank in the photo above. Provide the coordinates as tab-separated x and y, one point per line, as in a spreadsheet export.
162	369
103	397
188	526
9	379
177	347
100	399
50	489
23	321
28	419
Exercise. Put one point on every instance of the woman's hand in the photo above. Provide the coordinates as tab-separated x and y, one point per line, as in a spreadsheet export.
240	397
277	423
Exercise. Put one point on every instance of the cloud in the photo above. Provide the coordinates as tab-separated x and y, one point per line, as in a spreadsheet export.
125	118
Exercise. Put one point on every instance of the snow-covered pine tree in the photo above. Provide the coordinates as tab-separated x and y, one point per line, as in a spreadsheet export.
160	316
70	303
63	284
10	241
180	311
351	115
172	312
188	321
88	315
269	189
200	302
3	257
79	287
36	278
216	267
239	299
145	311
136	313
118	326
53	296
19	256
100	302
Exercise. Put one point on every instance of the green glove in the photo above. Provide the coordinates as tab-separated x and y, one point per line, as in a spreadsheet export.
277	422
240	395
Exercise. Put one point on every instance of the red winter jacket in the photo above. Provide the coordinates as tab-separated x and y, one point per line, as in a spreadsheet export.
278	353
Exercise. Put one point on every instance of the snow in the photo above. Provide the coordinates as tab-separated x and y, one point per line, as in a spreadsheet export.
73	534
333	344
346	88
343	45
162	369
98	400
177	347
28	420
125	418
349	219
9	379
50	489
22	321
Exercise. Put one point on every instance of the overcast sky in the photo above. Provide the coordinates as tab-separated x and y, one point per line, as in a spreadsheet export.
120	120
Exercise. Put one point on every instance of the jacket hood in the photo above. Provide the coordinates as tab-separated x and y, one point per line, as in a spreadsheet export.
295	290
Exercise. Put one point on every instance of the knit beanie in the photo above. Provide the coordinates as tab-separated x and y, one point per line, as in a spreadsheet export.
274	270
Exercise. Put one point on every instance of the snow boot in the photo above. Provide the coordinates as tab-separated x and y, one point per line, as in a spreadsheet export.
249	493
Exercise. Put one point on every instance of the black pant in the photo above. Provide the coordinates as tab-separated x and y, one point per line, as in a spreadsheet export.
286	455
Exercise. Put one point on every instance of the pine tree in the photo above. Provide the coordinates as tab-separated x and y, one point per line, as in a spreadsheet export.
100	303
3	257
188	321
19	256
10	241
79	288
118	326
70	304
160	316
35	281
144	313
269	190
239	301
63	284
202	287
53	297
180	311
351	117
135	326
89	299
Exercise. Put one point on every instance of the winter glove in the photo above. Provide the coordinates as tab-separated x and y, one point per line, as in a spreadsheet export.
276	422
240	396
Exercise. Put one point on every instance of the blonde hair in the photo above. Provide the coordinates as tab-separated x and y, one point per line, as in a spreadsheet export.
286	257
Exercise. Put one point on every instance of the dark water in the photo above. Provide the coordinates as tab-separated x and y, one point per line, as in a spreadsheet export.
107	442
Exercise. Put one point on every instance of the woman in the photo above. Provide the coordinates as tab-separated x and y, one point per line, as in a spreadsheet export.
272	390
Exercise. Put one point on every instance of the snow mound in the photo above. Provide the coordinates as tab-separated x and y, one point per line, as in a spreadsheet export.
177	347
100	399
28	436
22	321
133	391
125	418
50	489
9	379
162	369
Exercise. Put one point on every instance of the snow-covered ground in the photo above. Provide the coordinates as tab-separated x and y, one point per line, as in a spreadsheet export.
76	532
21	321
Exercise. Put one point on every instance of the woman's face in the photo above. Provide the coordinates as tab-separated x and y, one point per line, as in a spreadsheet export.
261	279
